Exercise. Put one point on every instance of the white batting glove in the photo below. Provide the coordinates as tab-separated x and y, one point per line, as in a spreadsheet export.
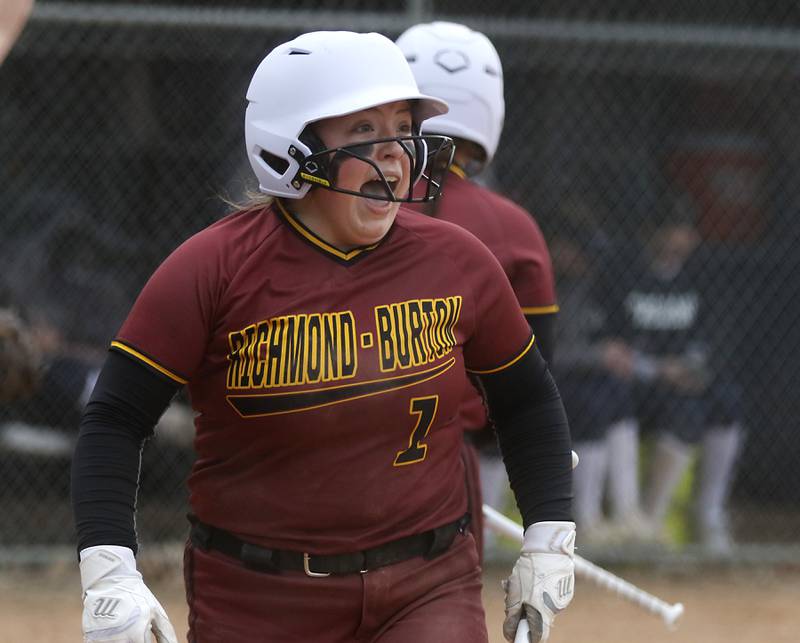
117	606
542	581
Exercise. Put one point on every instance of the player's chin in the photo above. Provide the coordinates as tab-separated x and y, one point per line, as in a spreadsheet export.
375	222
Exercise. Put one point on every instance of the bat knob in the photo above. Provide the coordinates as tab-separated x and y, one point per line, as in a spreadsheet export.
672	614
522	632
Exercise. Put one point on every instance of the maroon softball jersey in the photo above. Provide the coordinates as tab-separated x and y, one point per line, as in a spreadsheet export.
327	383
514	238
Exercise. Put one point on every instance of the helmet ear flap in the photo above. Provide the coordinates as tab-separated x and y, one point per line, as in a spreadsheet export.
314	143
310	138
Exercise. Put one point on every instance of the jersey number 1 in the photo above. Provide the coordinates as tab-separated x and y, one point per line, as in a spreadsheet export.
425	410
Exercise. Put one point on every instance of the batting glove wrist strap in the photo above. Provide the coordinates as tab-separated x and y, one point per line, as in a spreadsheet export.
551	537
542	581
117	606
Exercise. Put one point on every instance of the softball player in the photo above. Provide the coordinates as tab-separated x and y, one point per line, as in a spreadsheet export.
461	66
682	391
326	336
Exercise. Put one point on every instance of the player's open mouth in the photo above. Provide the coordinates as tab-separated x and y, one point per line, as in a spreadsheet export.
379	190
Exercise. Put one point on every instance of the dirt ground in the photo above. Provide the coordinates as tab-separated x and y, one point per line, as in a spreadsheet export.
721	606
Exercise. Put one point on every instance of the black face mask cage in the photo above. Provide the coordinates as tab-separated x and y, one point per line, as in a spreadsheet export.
429	155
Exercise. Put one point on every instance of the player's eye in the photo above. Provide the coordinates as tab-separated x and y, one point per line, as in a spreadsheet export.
363	128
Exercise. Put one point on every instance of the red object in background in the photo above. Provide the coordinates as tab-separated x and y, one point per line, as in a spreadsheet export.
726	176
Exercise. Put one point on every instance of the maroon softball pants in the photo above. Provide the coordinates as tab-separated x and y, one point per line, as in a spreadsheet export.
414	601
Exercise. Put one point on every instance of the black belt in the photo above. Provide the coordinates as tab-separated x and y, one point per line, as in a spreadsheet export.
428	544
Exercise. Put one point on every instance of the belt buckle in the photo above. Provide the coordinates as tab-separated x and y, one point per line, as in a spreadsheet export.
308	570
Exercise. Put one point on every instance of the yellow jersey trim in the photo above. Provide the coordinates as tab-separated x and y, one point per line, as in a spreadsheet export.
540	310
148	361
455	169
507	364
307	234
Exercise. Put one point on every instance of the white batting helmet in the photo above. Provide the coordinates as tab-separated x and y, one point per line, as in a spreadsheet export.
461	66
316	76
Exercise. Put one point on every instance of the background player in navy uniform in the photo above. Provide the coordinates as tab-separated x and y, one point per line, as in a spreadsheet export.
325	336
461	66
682	391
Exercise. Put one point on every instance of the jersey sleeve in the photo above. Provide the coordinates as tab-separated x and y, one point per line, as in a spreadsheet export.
501	334
531	270
170	323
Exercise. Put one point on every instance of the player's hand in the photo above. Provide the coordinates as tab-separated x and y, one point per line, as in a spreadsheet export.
117	606
543	580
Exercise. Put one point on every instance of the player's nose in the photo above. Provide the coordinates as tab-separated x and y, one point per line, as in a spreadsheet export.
389	149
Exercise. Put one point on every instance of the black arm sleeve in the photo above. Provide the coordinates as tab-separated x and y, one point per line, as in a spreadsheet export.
125	405
544	327
534	438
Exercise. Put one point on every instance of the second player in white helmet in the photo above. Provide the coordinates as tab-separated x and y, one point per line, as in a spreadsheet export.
461	66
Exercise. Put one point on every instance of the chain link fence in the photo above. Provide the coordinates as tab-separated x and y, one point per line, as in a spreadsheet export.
121	133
